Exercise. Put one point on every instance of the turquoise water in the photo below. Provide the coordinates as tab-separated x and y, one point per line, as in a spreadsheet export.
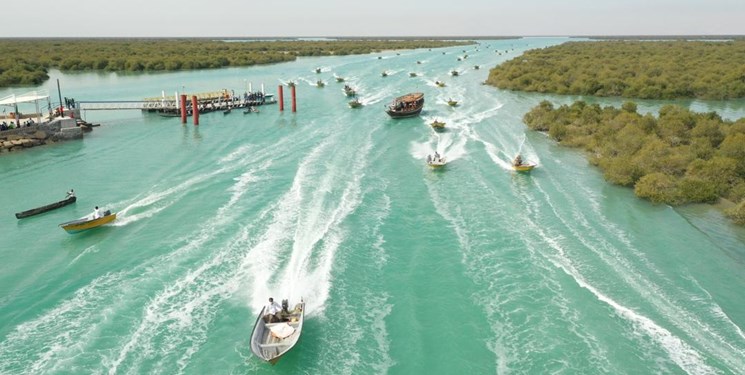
404	270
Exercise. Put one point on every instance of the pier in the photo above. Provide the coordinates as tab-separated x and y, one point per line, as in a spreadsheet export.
170	105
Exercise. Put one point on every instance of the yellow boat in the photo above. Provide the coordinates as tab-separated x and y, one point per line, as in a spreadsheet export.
437	125
87	222
524	167
452	103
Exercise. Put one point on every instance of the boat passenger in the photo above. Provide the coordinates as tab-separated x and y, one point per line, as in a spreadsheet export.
97	213
70	193
271	310
518	160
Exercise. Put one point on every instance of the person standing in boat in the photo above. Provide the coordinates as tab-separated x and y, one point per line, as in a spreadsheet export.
71	193
271	310
97	213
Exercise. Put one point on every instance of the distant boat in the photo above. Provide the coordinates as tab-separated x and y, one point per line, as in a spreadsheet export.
452	102
320	83
380	57
476	67
270	341
438	125
418	62
412	74
454	73
290	84
355	103
49	207
226	112
459	59
250	109
384	74
339	79
349	91
88	222
520	165
318	70
440	83
406	106
436	161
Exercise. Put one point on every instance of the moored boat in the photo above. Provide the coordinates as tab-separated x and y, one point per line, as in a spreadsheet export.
270	341
406	106
88	222
38	210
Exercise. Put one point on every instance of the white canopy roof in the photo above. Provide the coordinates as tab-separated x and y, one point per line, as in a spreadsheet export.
25	98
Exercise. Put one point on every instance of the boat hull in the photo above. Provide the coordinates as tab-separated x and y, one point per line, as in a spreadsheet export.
404	114
49	207
83	224
524	167
270	348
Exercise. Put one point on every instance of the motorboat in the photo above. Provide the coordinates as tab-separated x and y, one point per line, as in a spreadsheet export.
355	103
521	165
437	125
454	73
88	222
412	74
436	161
320	83
452	102
440	84
406	106
384	74
272	340
349	91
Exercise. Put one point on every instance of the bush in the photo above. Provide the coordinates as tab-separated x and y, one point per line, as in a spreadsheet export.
737	213
658	188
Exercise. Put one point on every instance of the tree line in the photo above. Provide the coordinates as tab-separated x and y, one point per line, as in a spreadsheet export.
675	158
630	69
25	62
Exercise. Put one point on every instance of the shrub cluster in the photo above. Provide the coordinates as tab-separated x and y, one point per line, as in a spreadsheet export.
25	61
676	158
630	69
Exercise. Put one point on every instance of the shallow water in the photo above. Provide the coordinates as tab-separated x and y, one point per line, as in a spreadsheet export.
404	270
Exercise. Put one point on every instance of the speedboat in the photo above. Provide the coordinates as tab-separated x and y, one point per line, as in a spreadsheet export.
452	102
318	70
436	161
270	341
339	79
320	83
384	74
440	83
349	91
437	125
355	103
412	74
520	165
88	222
454	73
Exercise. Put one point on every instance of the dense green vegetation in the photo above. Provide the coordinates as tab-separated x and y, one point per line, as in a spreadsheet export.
25	61
631	69
679	157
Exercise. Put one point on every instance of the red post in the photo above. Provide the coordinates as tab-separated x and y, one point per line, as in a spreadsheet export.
281	99
294	105
182	102
195	109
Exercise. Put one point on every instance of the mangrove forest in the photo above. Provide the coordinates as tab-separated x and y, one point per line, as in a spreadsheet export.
25	62
675	158
630	69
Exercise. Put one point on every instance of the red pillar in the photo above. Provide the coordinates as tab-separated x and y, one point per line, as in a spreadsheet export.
281	99
195	109
294	105
182	102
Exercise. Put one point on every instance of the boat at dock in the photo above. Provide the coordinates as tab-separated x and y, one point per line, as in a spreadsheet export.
53	206
271	341
88	222
406	106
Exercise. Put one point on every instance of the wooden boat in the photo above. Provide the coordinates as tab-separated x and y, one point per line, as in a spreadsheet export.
49	207
270	341
355	103
88	222
339	79
384	74
406	106
349	91
437	125
440	83
454	73
522	166
452	102
412	74
320	83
